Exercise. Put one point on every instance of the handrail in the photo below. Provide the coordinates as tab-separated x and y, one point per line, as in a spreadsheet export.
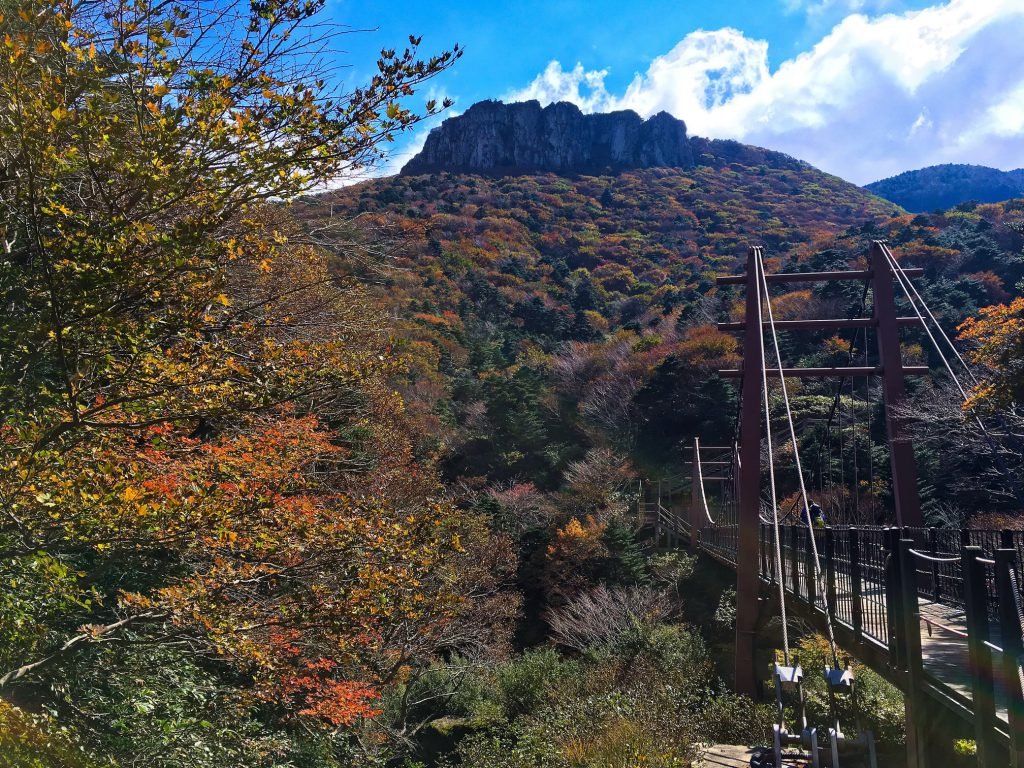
933	558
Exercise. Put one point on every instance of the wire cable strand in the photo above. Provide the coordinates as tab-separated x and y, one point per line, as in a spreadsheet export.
700	482
771	473
759	263
903	280
907	287
902	275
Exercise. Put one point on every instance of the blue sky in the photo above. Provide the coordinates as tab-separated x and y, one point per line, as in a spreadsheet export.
860	88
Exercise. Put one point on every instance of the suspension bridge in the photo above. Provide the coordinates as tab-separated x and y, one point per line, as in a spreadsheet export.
938	612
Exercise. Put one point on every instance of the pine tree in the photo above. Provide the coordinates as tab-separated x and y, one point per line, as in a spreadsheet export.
625	565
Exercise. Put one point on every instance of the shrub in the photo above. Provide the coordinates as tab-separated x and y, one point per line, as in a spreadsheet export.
603	616
28	742
646	699
525	683
732	719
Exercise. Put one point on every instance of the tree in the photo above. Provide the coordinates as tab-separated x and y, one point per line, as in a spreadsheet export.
137	143
626	564
202	447
998	335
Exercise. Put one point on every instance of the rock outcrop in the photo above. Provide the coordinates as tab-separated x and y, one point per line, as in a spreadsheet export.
496	138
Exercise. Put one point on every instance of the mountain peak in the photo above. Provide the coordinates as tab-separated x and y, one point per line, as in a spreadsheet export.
496	138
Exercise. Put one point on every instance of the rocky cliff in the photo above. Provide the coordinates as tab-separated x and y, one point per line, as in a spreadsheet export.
496	138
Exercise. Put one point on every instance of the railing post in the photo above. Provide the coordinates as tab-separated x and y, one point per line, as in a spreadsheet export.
894	598
794	558
660	533
657	518
696	508
666	504
765	571
856	585
809	573
641	506
979	656
776	574
1010	625
915	702
933	550
910	605
830	571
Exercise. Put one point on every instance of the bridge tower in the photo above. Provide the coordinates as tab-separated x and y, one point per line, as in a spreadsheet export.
891	371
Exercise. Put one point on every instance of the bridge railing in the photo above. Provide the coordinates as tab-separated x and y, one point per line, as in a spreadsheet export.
940	578
878	583
721	541
856	568
853	574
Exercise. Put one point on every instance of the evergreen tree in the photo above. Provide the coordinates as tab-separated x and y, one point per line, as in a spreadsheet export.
626	565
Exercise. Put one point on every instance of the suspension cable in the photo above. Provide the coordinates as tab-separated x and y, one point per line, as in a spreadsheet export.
904	282
835	409
771	473
902	279
700	482
853	439
901	274
796	453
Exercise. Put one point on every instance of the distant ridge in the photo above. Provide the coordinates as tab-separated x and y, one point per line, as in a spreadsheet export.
494	138
939	187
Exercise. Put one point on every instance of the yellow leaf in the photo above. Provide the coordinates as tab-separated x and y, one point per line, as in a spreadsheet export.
223	299
160	90
130	494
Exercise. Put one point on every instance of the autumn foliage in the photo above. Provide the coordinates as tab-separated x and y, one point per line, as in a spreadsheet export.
998	335
204	455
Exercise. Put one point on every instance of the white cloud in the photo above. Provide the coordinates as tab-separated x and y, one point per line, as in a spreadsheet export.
703	73
818	8
576	85
1007	118
923	123
875	96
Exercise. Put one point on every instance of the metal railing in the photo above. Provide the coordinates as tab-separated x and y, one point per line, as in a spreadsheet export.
888	588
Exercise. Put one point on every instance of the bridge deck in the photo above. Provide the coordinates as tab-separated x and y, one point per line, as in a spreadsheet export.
944	648
946	656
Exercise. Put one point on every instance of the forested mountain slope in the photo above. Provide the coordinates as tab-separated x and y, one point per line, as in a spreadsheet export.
552	313
503	281
944	186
